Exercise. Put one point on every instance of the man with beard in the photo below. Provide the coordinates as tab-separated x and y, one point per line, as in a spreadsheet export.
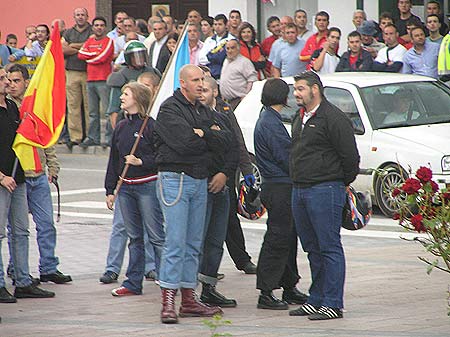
324	160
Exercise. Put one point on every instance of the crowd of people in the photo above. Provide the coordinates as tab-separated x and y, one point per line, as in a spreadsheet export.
177	204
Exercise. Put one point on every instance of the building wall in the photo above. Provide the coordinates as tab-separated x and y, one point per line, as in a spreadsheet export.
246	7
16	16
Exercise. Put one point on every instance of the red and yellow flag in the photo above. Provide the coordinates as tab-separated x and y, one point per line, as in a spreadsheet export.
43	106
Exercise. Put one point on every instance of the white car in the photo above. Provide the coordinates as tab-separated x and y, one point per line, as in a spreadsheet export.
391	135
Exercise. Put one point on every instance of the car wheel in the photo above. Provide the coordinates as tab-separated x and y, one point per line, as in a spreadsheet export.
256	173
385	185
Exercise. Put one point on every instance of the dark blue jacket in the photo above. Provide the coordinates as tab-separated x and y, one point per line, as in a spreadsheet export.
123	139
272	147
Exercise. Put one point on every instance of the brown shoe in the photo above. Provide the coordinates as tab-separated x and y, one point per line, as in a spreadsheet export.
168	313
192	307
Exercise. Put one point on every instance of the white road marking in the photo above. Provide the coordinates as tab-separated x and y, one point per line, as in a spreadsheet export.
85	204
82	191
82	169
87	215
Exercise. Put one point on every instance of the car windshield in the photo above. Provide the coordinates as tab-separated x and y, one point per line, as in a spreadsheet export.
406	104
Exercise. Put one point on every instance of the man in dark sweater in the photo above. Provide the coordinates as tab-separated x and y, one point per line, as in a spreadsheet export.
324	160
185	136
13	203
223	168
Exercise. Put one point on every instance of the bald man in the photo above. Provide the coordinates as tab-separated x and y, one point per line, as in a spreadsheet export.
186	136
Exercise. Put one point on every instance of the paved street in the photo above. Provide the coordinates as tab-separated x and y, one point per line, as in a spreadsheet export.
388	292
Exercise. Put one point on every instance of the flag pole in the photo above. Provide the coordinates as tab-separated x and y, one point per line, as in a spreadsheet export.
147	116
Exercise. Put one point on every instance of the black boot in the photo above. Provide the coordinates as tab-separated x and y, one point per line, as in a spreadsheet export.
267	300
211	296
294	296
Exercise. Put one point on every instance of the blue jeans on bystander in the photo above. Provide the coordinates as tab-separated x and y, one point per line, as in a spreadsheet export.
141	212
183	202
317	212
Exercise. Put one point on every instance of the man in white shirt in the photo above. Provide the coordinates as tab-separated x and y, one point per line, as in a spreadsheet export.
159	54
129	25
325	60
300	20
118	20
213	52
151	36
390	58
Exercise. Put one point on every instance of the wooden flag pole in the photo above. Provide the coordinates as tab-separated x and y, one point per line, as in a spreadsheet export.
147	116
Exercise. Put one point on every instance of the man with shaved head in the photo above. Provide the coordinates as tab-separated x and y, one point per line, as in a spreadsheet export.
185	138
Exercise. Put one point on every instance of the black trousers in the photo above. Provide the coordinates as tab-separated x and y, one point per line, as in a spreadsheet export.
277	262
235	237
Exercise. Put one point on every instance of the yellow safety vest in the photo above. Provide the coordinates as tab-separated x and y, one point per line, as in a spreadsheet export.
444	56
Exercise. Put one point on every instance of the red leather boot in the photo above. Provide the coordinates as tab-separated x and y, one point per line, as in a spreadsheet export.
192	307
168	313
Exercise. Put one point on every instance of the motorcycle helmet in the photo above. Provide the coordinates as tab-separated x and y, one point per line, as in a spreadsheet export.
357	210
135	54
249	203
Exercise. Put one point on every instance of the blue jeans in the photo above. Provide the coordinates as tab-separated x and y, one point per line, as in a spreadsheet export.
214	236
183	202
118	242
13	208
141	212
317	212
98	99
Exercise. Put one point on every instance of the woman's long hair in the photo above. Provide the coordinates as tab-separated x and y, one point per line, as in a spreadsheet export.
248	25
142	95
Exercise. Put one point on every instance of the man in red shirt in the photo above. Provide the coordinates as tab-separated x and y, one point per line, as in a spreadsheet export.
316	40
273	26
98	52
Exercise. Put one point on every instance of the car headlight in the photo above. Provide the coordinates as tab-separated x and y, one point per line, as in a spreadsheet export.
445	163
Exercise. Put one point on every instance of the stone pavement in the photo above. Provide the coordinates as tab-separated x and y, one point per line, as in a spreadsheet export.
388	293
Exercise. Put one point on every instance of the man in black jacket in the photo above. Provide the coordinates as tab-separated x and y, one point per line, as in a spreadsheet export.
223	168
356	58
324	160
186	135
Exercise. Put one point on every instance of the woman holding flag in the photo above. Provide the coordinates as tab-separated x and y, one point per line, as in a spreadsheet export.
138	202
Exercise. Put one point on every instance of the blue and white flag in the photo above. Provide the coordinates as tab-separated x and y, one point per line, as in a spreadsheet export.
170	80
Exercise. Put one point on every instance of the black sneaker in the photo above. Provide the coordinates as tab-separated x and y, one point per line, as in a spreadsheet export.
304	310
32	292
325	313
249	268
88	142
271	302
150	276
294	296
220	276
57	277
109	277
70	144
6	297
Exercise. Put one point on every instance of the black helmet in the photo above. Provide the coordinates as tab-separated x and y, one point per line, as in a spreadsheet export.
135	54
357	210
249	203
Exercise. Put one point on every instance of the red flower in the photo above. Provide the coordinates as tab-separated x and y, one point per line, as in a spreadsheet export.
446	196
396	192
411	186
434	186
396	216
424	174
417	222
